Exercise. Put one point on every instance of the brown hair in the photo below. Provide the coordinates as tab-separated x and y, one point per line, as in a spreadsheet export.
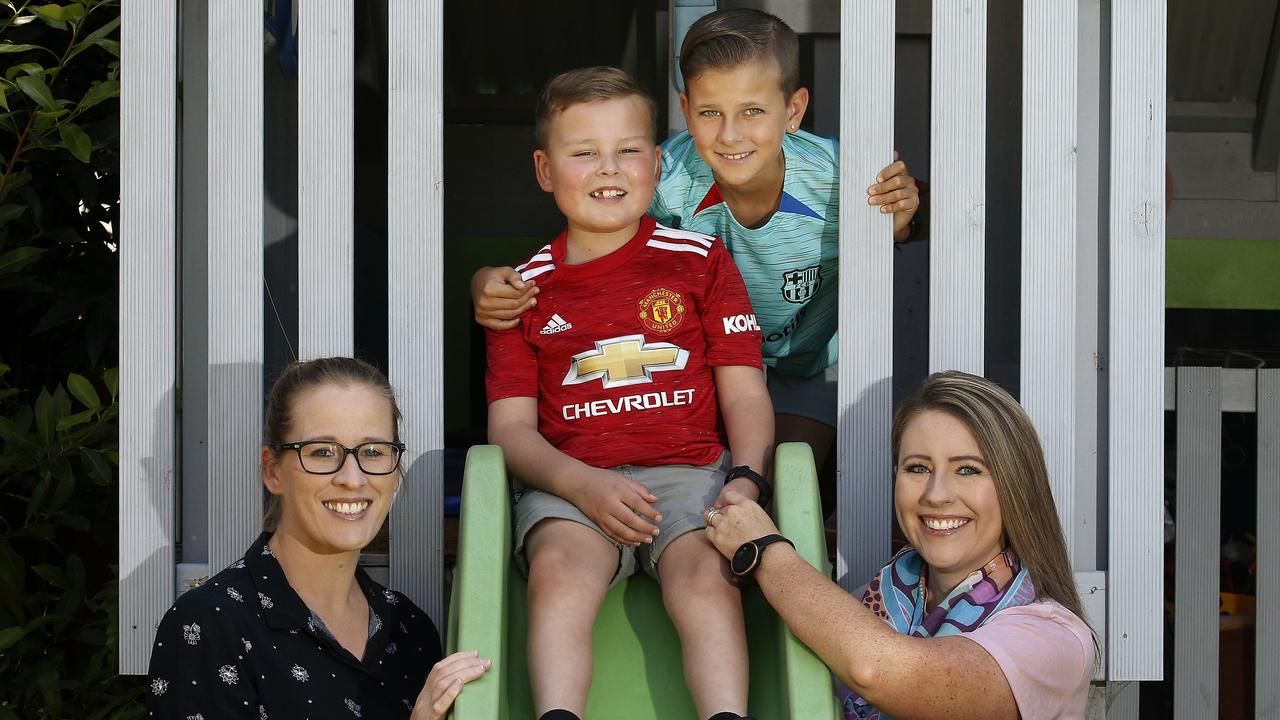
584	85
1012	451
732	37
302	376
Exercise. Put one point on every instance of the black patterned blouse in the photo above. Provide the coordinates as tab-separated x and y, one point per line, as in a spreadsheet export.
243	645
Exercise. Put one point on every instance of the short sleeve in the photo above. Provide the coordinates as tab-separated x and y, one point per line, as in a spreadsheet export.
1046	654
197	668
728	322
512	366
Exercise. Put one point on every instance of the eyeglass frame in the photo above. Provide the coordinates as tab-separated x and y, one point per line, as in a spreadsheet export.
296	447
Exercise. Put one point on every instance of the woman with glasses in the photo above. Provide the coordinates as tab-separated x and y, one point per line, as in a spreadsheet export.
295	628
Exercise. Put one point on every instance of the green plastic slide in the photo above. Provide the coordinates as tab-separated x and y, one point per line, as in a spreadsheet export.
638	673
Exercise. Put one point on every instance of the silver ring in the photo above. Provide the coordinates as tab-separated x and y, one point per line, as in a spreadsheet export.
712	512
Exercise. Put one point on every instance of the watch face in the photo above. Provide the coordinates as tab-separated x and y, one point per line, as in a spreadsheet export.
744	559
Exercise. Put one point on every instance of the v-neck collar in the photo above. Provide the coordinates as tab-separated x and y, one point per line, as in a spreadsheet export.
282	608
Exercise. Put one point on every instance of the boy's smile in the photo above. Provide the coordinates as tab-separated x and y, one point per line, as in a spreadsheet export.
738	118
602	166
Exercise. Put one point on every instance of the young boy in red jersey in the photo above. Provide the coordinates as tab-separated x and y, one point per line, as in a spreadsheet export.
746	173
615	398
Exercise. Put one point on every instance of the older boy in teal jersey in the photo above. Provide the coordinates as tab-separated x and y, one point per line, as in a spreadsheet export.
746	173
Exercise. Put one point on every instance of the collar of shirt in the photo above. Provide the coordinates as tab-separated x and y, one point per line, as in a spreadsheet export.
283	610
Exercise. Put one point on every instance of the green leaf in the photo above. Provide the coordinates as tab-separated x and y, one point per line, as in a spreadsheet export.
34	87
62	492
4	98
37	499
76	420
76	140
98	467
83	390
111	376
75	522
9	636
7	47
46	416
105	30
18	258
100	91
10	212
9	392
28	68
52	574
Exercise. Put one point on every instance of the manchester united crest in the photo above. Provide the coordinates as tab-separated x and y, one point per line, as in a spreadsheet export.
662	310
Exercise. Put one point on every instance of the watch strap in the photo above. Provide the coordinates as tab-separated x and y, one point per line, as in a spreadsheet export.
745	471
760	544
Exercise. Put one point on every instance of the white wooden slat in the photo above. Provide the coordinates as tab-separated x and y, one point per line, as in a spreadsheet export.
958	186
1267	669
1088	531
1239	390
865	497
148	323
1136	340
235	280
1048	365
1198	517
416	248
326	177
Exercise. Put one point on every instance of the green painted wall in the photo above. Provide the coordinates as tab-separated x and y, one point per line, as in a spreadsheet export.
1223	274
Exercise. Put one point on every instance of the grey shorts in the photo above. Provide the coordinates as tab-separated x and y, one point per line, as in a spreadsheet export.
684	492
812	397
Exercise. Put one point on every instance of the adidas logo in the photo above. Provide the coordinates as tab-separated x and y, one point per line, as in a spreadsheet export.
554	325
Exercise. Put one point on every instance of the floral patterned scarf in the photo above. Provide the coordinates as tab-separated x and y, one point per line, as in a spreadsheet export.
898	595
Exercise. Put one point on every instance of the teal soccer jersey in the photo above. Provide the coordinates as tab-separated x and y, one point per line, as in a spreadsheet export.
790	263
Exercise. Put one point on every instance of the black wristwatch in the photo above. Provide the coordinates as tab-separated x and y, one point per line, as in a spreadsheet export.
746	559
766	492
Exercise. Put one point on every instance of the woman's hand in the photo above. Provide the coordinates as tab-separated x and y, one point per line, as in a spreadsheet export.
895	191
445	682
740	520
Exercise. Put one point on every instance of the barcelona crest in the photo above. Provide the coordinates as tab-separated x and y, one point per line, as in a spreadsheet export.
800	285
661	311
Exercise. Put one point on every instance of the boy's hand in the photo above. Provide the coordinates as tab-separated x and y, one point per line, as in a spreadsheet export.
741	486
501	297
622	508
896	191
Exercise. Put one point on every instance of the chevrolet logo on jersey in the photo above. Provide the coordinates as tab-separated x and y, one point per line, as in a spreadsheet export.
625	360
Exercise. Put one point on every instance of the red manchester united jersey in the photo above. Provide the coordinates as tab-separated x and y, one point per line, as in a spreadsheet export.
619	350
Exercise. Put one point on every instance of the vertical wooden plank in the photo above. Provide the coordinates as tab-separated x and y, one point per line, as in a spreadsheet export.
235	280
1048	368
864	497
1198	515
1267	672
193	362
148	322
326	176
1136	339
1087	531
958	186
415	222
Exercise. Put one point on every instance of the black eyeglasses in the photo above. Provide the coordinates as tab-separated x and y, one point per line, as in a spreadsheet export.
325	457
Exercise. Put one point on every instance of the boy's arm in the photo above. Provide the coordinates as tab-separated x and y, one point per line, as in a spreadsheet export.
748	420
501	296
621	507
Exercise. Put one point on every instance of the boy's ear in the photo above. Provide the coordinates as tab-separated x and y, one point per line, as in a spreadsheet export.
542	171
270	478
657	163
796	107
684	107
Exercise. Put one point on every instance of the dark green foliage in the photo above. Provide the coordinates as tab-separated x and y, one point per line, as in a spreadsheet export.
59	202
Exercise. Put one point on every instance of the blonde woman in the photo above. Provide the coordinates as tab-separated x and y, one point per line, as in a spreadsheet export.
979	615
